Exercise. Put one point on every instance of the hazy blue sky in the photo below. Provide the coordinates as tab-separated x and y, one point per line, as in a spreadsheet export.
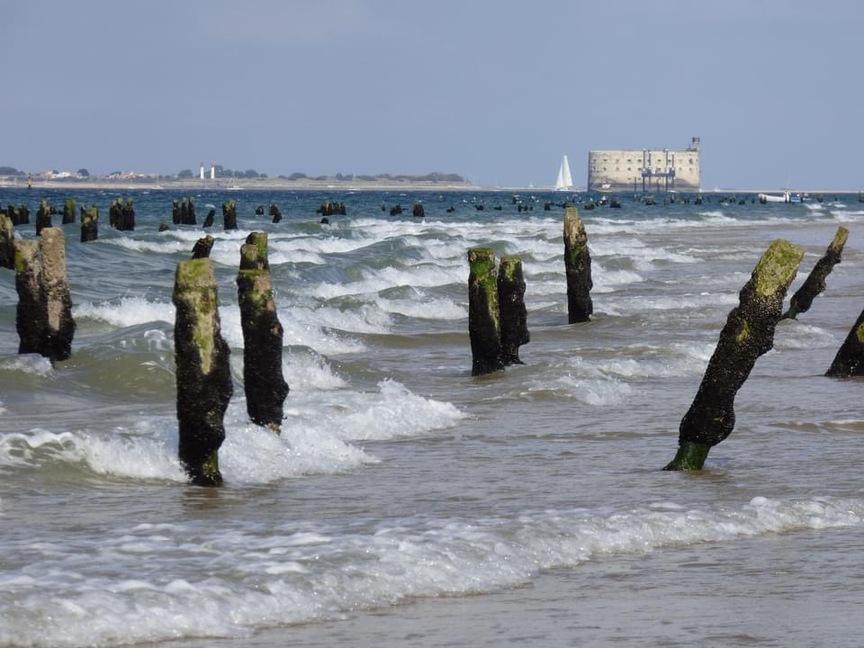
494	90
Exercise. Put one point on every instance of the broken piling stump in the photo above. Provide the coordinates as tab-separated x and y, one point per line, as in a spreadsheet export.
7	242
68	211
202	247
44	313
229	215
263	380
203	374
513	316
89	224
483	312
814	285
748	334
577	264
275	213
43	216
849	361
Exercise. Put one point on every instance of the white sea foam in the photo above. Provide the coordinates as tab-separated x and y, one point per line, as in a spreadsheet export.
127	311
29	363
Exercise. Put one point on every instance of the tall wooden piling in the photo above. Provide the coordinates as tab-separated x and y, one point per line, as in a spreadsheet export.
577	264
513	316
7	242
814	285
483	312
44	314
89	224
203	374
264	383
43	216
229	215
748	333
68	211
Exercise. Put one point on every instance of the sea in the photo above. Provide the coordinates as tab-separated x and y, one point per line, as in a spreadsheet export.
407	503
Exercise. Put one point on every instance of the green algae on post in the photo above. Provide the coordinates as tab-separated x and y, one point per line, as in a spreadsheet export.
203	374
815	282
849	361
89	224
748	334
483	312
513	316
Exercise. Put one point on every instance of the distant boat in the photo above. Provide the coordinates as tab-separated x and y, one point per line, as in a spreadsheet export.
564	182
785	197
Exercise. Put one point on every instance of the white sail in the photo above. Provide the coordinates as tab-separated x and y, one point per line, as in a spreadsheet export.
564	181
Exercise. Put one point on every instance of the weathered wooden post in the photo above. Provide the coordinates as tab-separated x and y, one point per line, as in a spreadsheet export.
44	314
210	218
577	264
176	217
849	360
19	215
43	216
229	215
483	312
203	374
202	247
68	211
115	213
418	209
815	282
127	216
512	312
89	224
275	213
187	212
748	333
7	242
264	383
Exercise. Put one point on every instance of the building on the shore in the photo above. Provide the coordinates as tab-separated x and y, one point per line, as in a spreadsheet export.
645	170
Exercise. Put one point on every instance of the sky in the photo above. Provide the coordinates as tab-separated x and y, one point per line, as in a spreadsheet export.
494	91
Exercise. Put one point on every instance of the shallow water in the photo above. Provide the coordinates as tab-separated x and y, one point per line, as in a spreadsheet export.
407	503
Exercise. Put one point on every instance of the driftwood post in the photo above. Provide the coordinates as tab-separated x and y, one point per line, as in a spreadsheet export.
483	312
577	263
513	315
203	373
849	360
44	314
229	215
7	242
264	383
748	333
815	282
89	224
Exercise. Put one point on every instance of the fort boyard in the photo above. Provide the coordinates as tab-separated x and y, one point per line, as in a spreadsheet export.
645	170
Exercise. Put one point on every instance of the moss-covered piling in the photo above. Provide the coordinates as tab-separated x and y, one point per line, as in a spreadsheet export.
577	264
748	334
814	285
89	224
203	374
229	215
264	383
7	242
483	312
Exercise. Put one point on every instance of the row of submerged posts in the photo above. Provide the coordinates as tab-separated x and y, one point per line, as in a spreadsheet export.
497	326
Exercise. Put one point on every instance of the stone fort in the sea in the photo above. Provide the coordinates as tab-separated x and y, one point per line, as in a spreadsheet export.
646	170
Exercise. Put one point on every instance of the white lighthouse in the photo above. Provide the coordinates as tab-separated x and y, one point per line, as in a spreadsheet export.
201	173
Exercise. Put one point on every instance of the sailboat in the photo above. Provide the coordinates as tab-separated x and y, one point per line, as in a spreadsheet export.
564	182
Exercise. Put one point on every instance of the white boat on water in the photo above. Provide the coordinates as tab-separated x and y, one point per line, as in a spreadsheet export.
785	197
564	182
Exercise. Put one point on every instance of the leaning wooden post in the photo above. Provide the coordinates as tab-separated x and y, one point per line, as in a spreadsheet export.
89	224
577	263
44	314
483	312
513	314
849	360
748	333
7	242
815	282
264	383
203	373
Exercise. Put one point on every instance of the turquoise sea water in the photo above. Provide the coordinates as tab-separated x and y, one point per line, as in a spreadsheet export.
407	503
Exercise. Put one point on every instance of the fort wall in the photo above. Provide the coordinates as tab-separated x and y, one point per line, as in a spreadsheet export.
645	170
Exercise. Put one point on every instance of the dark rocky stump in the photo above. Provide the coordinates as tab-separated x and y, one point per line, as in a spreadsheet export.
89	224
748	333
849	361
19	215
44	314
7	242
229	215
68	211
418	210
203	373
577	264
483	312
264	383
202	247
210	218
512	311
43	217
187	212
814	285
275	213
